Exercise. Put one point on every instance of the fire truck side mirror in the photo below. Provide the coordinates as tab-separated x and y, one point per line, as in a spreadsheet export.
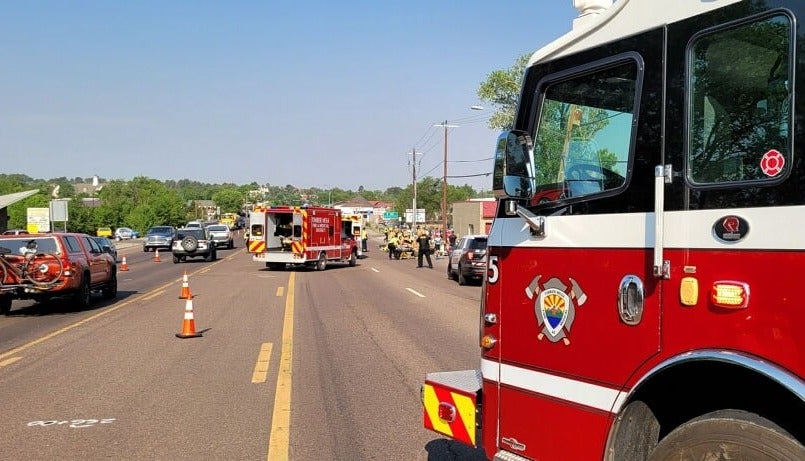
510	176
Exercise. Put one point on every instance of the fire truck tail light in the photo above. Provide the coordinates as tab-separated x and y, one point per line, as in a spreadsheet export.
447	412
730	294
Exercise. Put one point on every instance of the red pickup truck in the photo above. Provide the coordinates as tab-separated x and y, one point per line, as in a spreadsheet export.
43	266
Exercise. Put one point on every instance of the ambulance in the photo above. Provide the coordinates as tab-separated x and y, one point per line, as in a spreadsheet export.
353	224
641	300
312	236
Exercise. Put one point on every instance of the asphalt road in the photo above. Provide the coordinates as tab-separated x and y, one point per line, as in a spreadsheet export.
294	364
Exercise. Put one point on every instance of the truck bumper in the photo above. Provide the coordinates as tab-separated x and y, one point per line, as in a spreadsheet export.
451	404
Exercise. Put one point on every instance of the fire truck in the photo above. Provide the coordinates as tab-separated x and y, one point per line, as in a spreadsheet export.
313	236
353	224
640	301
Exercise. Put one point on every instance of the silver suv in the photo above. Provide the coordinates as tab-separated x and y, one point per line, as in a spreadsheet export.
193	243
159	237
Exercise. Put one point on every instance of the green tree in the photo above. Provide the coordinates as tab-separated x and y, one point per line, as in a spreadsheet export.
501	90
229	200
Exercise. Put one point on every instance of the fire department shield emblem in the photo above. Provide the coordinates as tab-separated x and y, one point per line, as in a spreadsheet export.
555	307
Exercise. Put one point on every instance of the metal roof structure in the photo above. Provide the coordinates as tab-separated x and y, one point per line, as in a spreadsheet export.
6	200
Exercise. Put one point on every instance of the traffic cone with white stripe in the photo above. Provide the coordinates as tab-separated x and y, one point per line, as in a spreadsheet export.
189	323
156	255
185	294
124	266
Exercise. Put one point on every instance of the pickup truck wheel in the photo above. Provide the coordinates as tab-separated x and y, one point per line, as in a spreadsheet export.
83	296
729	434
321	264
176	260
5	305
110	289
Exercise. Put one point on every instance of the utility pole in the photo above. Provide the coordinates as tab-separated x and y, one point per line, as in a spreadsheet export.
413	169
444	179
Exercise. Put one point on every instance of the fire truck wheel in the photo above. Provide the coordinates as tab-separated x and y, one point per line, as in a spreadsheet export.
353	259
321	264
275	266
729	434
5	305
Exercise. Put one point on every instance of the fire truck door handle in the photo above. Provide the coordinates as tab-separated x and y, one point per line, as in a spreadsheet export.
630	300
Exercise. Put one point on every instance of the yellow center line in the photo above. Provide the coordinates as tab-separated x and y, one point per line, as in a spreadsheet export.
9	361
261	367
279	440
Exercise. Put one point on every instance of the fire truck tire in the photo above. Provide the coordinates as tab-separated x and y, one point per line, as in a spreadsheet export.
275	266
729	434
353	259
321	264
5	305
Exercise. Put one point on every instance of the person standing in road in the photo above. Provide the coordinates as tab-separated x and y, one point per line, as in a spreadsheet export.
392	245
364	240
424	248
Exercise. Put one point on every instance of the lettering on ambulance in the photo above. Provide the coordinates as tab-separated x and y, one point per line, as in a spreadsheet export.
567	355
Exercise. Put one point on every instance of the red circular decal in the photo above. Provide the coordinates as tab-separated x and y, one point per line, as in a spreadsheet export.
772	163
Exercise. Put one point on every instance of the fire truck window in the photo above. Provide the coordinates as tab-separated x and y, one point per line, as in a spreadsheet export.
257	230
740	103
583	138
297	231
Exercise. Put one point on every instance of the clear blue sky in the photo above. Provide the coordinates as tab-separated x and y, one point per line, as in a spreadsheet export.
303	92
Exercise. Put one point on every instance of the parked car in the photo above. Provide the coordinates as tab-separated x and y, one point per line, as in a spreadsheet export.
159	237
468	259
125	233
221	235
193	243
108	246
104	232
15	232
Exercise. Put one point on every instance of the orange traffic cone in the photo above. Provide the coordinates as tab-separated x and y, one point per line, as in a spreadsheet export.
124	266
189	324
185	294
156	255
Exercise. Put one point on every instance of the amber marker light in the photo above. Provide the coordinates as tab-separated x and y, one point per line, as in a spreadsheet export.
730	294
488	342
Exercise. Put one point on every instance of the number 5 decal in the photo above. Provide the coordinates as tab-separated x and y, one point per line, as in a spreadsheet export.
492	271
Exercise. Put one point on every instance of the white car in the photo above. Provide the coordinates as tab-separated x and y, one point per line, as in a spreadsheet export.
124	233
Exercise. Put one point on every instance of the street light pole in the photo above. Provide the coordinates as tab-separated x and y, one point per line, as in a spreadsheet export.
444	178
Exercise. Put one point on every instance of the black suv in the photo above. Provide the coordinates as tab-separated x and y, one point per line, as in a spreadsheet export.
193	243
468	259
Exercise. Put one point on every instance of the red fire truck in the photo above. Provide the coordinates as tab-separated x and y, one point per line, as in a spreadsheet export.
281	235
641	294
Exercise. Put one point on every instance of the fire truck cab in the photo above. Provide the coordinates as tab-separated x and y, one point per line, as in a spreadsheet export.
641	299
281	235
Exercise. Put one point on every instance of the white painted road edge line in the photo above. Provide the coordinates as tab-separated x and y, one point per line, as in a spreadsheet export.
415	292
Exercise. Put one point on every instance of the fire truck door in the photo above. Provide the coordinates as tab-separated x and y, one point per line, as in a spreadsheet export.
579	306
